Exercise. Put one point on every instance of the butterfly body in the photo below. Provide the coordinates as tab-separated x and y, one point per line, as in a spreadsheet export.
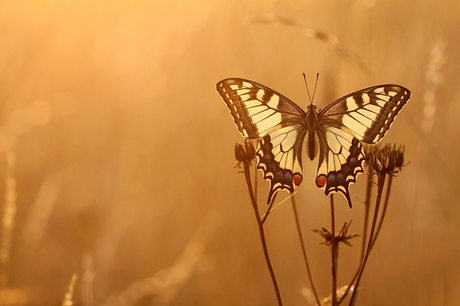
334	133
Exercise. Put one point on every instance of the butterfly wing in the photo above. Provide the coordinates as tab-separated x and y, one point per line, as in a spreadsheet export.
365	115
261	113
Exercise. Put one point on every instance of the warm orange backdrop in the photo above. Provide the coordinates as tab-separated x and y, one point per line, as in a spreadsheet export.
116	153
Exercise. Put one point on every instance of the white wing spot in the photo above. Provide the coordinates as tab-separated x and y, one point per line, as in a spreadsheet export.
260	94
379	90
376	139
367	113
366	98
252	103
351	103
335	138
373	108
245	97
274	101
384	97
342	159
255	110
234	87
361	119
352	177
353	124
243	91
263	115
392	93
248	85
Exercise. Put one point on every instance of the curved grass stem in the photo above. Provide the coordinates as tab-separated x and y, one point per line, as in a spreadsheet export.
334	250
262	234
371	240
304	252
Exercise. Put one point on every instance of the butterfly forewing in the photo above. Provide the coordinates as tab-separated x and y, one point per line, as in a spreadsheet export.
368	113
257	109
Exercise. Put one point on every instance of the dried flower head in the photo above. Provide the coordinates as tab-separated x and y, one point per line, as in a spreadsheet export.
386	160
244	153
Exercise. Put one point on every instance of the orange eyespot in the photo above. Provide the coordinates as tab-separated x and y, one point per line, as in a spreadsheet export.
321	181
297	179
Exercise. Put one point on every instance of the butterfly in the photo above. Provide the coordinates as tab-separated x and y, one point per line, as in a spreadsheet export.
335	132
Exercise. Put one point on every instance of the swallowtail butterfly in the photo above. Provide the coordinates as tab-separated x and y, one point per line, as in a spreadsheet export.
335	132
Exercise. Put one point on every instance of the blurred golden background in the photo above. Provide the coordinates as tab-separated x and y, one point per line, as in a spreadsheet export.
116	153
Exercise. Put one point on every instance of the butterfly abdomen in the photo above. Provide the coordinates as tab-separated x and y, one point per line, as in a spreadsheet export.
312	127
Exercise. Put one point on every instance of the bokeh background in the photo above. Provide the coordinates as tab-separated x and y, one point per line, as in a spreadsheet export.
116	153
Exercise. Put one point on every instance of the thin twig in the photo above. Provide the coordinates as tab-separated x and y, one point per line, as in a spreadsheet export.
381	183
385	205
269	209
8	216
70	290
262	233
334	253
367	203
350	285
304	252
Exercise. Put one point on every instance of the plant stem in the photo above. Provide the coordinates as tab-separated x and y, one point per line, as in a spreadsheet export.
385	205
367	203
380	183
334	250
262	233
264	217
299	233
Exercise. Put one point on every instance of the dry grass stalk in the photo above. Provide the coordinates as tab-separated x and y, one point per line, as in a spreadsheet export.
69	294
87	282
165	284
311	32
9	212
434	79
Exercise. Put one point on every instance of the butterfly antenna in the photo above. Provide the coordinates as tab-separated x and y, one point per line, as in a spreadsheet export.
316	84
306	85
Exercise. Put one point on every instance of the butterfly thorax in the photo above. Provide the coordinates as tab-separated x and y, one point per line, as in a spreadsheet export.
311	119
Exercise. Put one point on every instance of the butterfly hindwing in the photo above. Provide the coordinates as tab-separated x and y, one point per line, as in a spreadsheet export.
279	156
341	159
262	113
365	115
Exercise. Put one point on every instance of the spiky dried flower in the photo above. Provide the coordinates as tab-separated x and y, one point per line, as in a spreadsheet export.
342	236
